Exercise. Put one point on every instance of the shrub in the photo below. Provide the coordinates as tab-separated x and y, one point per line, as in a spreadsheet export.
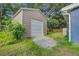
56	23
53	23
16	29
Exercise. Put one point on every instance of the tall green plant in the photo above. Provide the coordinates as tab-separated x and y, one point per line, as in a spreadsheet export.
16	29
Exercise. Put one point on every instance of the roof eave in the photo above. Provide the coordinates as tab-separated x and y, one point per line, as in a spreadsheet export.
24	9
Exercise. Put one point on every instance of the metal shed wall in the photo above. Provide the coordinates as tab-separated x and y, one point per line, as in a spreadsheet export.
75	25
28	15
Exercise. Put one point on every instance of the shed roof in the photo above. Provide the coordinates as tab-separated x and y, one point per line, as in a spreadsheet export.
32	9
70	7
24	9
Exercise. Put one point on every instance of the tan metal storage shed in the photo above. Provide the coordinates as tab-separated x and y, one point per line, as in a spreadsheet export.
34	21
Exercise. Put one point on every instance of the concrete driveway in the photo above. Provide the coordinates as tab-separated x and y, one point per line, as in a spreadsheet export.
45	42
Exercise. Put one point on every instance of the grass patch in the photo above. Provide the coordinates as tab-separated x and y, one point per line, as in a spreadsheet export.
64	44
56	35
6	38
26	47
10	46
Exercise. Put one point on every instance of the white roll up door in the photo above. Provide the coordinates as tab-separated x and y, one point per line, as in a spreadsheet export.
36	28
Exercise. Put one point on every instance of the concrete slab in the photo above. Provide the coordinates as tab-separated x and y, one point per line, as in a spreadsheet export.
45	42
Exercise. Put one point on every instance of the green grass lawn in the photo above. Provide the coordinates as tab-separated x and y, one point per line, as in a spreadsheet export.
25	47
67	48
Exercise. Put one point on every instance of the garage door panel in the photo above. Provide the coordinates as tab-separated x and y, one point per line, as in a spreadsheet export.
36	28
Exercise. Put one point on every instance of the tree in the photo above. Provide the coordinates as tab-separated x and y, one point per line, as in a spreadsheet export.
53	24
56	19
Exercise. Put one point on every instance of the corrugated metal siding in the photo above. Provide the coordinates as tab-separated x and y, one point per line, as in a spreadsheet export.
28	15
26	23
75	25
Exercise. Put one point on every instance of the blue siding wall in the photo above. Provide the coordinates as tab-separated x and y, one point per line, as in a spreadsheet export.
75	26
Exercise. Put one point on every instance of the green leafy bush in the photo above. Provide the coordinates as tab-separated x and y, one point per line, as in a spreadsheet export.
16	29
53	24
56	23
